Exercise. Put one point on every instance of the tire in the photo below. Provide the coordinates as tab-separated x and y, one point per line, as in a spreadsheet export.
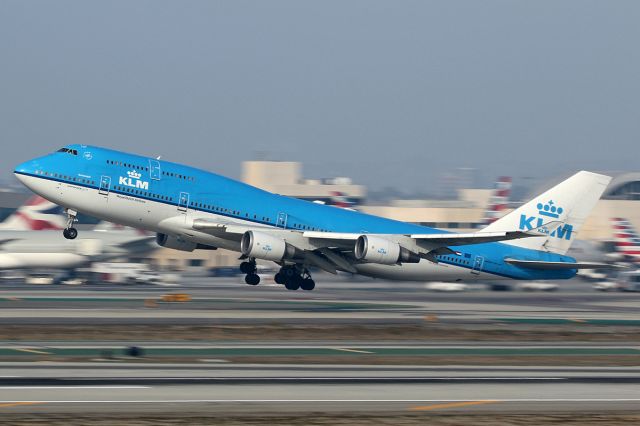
279	278
293	284
289	273
70	233
308	284
247	268
252	279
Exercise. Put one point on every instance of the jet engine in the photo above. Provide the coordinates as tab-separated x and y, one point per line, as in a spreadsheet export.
265	246
373	249
176	243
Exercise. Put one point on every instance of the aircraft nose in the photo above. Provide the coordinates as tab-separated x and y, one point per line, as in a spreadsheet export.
25	169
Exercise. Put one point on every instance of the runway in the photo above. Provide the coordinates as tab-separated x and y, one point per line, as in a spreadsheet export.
339	301
138	388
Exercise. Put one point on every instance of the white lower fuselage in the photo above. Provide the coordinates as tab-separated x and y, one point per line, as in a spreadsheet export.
169	219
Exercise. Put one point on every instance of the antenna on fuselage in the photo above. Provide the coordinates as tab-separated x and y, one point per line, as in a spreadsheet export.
158	157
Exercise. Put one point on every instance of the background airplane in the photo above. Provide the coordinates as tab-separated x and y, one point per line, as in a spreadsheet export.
36	214
30	239
499	201
626	240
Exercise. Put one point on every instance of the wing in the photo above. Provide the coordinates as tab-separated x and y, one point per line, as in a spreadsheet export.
7	240
139	244
332	251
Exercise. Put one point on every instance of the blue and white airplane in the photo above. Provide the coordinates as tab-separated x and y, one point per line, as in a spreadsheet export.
193	209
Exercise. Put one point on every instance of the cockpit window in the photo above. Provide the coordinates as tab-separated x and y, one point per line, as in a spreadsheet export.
69	151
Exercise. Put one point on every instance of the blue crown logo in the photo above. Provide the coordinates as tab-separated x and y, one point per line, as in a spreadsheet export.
549	210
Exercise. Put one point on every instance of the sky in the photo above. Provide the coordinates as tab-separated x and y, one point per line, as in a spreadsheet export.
391	93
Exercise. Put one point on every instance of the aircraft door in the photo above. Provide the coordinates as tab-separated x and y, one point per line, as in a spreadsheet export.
105	185
282	220
154	169
183	201
478	262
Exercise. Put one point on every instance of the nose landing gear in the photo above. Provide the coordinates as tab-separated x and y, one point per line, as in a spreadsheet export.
70	232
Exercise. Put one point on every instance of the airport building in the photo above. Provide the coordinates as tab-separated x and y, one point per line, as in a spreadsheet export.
285	177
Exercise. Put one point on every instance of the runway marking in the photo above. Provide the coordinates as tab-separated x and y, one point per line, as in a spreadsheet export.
453	405
33	351
19	403
352	350
347	401
73	387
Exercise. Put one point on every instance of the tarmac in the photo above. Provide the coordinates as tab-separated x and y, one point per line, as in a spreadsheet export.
76	376
138	388
229	301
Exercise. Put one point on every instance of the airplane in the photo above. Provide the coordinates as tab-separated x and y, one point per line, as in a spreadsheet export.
30	239
191	209
499	200
46	250
627	241
36	214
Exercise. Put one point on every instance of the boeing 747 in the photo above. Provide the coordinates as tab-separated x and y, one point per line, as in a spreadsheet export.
192	209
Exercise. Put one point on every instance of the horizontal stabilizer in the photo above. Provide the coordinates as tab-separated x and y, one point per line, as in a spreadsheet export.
554	266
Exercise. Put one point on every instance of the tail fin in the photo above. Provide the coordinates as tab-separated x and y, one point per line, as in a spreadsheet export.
627	242
498	201
569	202
340	199
35	215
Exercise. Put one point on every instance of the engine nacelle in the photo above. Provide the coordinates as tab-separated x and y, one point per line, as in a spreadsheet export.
371	248
265	246
176	243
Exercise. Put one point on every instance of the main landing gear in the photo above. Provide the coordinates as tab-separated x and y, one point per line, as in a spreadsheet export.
70	232
249	268
294	277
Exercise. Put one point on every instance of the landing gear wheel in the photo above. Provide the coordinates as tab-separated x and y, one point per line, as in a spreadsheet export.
293	284
307	284
279	278
252	279
70	233
289	273
248	267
